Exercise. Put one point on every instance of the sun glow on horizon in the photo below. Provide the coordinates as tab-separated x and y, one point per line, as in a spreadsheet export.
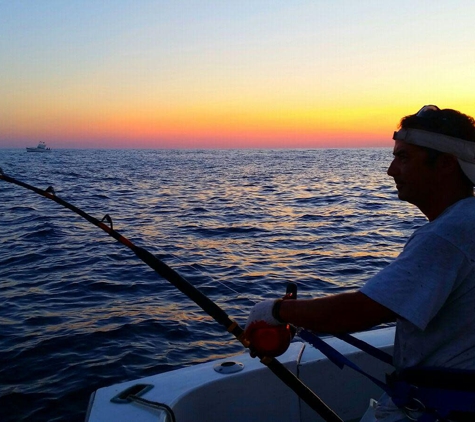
157	75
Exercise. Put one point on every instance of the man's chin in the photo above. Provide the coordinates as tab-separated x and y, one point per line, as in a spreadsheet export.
400	190
407	198
401	195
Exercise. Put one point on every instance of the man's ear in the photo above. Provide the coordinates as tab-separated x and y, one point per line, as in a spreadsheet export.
448	163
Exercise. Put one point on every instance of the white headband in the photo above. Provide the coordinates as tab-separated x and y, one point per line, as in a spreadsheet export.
462	149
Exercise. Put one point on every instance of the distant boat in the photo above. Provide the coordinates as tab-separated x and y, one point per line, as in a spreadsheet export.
40	148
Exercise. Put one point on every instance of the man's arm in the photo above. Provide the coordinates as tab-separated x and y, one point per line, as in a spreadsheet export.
339	313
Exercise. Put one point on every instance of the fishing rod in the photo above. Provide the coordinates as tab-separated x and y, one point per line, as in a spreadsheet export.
206	304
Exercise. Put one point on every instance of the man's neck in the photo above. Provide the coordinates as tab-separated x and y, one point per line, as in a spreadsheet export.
442	201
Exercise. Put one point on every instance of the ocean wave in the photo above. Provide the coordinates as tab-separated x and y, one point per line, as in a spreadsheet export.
80	311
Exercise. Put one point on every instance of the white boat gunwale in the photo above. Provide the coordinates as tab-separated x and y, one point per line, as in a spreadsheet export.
199	393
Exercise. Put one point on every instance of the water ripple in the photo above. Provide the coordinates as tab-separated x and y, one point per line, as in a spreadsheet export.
79	311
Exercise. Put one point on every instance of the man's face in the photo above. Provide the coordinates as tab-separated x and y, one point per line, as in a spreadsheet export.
412	173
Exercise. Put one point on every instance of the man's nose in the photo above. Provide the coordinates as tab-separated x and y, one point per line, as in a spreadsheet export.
391	169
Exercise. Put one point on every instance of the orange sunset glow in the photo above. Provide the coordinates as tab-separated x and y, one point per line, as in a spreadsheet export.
228	74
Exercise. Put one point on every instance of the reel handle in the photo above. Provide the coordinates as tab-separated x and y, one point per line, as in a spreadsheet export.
291	291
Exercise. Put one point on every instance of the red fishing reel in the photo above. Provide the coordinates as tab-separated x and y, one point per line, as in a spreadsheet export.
269	340
272	340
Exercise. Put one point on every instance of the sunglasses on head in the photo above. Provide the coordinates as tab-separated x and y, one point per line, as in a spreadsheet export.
427	111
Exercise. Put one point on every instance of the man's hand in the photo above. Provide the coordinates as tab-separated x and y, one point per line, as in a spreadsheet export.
268	336
263	311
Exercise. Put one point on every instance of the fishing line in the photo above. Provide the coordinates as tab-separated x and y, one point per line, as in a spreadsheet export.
215	280
210	307
252	298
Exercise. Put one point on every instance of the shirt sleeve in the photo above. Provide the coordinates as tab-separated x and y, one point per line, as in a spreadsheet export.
419	281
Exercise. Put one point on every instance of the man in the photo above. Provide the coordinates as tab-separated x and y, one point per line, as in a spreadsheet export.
429	290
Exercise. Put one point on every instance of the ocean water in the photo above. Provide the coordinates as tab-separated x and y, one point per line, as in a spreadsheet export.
78	310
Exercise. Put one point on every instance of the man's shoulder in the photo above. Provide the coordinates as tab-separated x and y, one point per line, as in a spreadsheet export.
460	213
456	224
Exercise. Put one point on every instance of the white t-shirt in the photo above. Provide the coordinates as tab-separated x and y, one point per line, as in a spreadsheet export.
431	286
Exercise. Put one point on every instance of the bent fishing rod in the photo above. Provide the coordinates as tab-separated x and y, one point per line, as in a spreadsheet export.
205	303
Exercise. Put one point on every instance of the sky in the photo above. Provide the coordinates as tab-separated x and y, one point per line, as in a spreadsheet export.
228	74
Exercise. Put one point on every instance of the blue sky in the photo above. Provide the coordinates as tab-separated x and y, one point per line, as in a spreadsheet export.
224	73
